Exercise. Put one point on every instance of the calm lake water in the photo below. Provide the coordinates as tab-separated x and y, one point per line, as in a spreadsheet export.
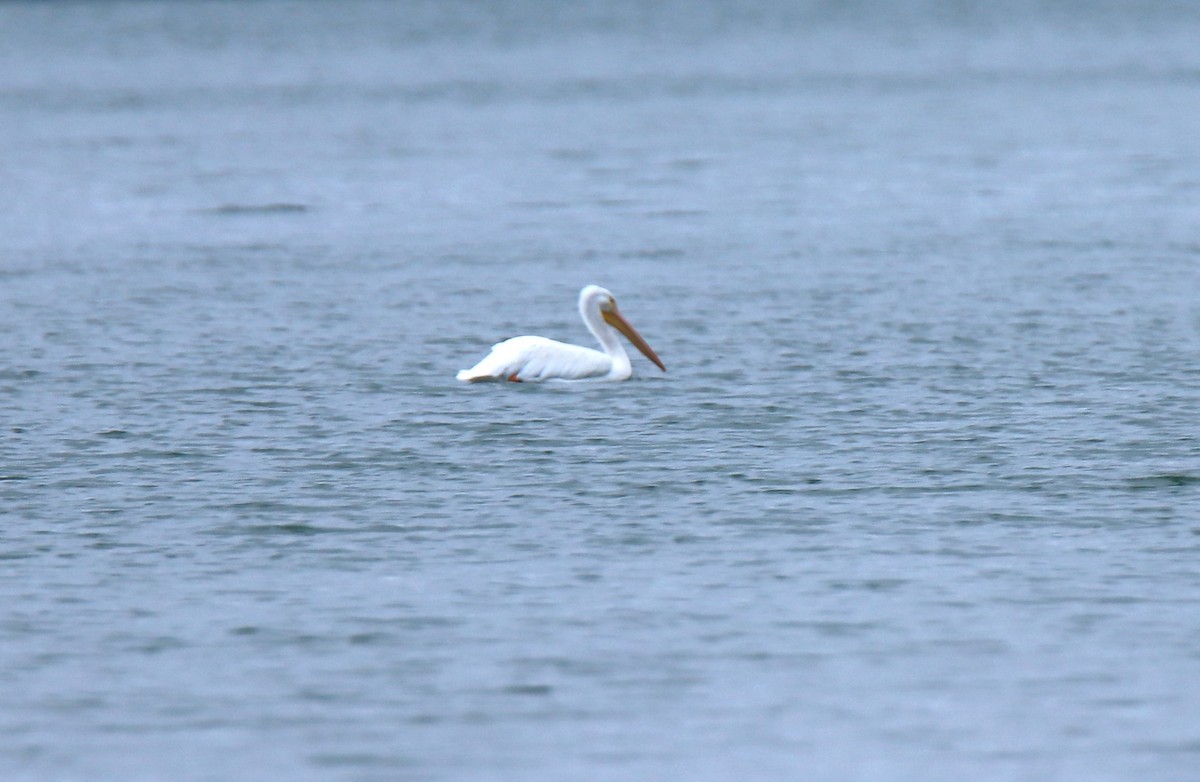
918	499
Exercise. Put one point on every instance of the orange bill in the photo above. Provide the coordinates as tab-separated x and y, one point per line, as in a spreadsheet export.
615	319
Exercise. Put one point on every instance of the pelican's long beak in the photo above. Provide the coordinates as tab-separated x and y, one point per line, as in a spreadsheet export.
615	319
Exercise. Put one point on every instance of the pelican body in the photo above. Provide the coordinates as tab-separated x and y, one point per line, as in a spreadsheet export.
535	359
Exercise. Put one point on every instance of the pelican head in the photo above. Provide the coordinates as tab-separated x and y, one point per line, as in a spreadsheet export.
594	299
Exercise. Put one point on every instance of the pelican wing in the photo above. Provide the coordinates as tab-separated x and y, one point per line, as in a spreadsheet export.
533	359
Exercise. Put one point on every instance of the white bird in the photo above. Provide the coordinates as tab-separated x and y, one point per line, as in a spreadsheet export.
534	359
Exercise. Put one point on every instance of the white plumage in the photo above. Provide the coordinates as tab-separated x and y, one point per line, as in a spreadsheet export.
535	359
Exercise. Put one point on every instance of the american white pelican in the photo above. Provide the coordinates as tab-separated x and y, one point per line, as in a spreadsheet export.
534	359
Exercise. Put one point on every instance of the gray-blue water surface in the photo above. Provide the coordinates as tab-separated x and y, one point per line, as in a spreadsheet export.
918	499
